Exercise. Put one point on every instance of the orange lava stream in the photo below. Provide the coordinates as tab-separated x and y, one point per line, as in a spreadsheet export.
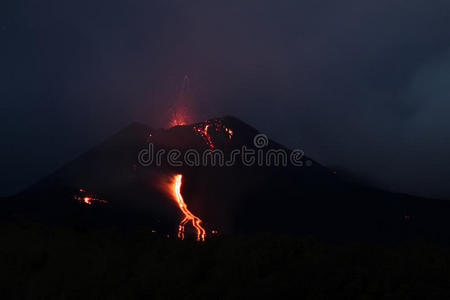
204	133
188	216
202	130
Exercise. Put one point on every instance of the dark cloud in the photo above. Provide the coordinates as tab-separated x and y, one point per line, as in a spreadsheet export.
357	84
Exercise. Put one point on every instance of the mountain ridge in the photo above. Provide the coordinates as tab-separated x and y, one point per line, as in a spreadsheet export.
237	199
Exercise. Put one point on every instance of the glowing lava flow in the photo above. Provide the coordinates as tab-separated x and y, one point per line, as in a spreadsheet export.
188	216
88	198
202	130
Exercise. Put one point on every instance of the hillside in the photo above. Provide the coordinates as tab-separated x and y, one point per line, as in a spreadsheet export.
303	200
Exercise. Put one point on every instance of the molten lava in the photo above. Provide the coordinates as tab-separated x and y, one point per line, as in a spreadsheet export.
203	129
88	199
188	216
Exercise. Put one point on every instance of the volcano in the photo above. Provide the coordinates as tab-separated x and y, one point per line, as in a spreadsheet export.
109	185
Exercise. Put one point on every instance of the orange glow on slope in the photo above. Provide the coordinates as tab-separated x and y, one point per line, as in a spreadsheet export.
87	198
90	200
188	216
202	130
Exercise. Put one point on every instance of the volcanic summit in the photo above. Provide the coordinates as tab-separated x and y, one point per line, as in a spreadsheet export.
110	184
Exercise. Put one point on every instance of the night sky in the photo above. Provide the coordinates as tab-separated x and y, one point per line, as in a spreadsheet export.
359	85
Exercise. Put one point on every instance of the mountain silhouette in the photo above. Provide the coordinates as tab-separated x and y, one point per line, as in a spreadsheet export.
305	199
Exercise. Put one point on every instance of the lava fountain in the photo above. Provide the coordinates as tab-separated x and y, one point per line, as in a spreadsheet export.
180	116
188	216
181	110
